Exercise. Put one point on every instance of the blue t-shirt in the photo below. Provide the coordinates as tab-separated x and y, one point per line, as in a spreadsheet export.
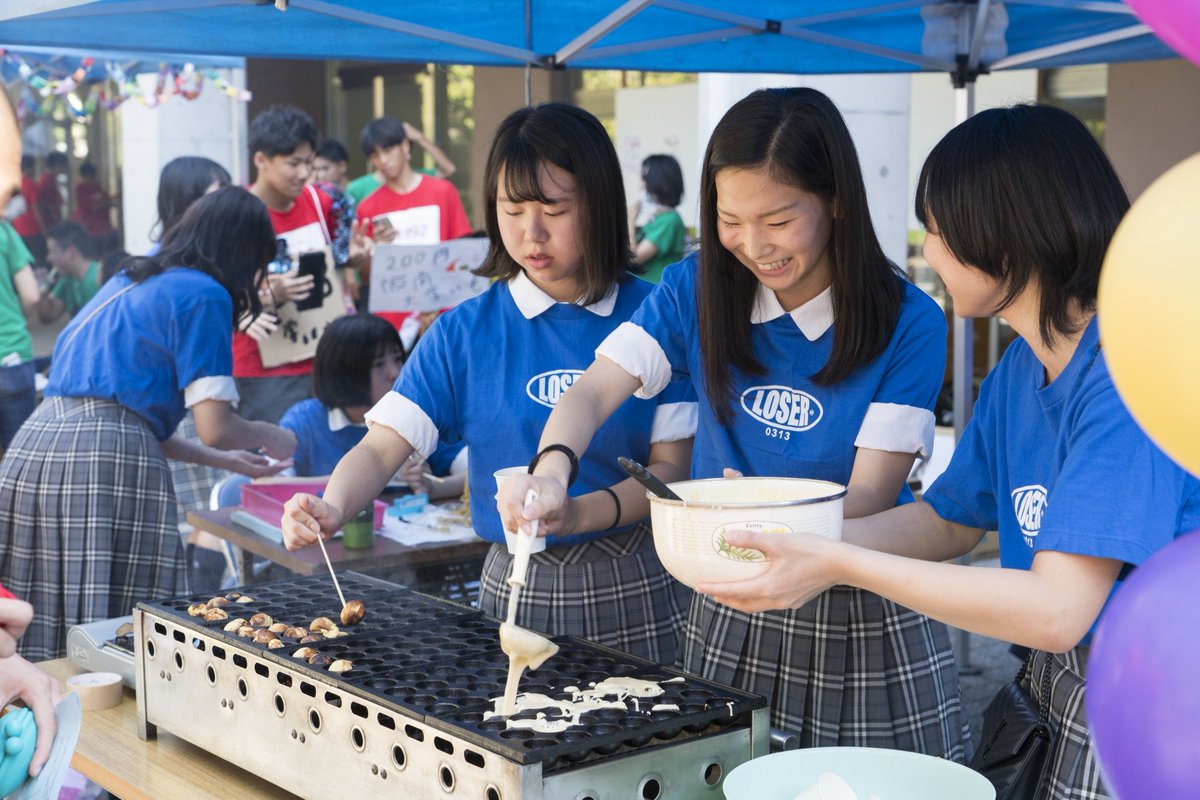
1063	467
489	372
147	346
319	447
783	423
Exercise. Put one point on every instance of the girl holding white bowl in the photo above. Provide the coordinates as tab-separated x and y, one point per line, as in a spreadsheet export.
812	357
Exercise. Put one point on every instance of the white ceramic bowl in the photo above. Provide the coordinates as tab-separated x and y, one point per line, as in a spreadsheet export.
689	534
887	774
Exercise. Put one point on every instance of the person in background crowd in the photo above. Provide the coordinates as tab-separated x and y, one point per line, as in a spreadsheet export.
74	275
282	142
49	199
560	256
18	288
85	493
18	295
93	206
358	359
21	680
363	186
331	163
791	298
656	231
26	223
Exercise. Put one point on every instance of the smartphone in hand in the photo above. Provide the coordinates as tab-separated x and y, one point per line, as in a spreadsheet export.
383	228
312	264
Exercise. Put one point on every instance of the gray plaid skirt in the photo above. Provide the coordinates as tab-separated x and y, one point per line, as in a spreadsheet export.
848	668
1072	773
87	519
613	591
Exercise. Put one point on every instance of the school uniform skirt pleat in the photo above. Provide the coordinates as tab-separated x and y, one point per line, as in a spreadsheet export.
613	591
848	668
1073	772
87	517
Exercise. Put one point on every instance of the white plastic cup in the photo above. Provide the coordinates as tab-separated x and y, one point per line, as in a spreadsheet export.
829	786
510	539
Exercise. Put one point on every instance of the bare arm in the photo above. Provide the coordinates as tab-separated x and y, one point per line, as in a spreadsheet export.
219	426
875	481
243	462
356	481
578	415
10	150
1049	607
25	282
644	251
445	167
48	308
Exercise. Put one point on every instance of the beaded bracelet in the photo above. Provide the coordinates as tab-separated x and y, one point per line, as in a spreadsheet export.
566	451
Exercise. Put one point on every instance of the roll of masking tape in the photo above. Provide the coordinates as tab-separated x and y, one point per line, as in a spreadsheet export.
97	690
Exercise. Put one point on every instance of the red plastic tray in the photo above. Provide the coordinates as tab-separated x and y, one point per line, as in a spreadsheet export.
265	500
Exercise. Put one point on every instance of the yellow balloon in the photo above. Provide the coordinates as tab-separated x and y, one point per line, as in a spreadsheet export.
1149	309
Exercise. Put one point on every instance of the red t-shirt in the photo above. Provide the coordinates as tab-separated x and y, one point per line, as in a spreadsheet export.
27	224
91	208
433	212
302	228
49	200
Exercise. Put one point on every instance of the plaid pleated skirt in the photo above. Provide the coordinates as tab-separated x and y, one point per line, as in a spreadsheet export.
848	668
613	591
87	519
1073	773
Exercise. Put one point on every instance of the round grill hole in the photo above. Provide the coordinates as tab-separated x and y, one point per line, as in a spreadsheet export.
242	688
398	756
650	788
280	705
314	720
712	774
492	793
150	648
211	674
446	776
179	661
357	737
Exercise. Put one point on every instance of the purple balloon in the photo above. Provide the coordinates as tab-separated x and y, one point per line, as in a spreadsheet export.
1143	682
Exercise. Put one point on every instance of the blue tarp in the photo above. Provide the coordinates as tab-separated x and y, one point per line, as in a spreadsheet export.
782	36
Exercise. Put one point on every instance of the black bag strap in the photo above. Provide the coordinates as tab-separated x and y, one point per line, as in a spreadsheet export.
1044	695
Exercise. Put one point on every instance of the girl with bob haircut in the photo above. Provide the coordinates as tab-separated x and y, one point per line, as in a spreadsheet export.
183	181
1019	205
489	371
657	234
85	493
791	304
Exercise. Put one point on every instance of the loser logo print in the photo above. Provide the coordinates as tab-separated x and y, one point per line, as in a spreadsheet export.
782	408
1029	504
547	387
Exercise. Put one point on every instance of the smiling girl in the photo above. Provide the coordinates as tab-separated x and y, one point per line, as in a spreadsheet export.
488	373
812	357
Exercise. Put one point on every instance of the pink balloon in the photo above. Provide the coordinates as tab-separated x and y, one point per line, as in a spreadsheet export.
1143	695
1176	22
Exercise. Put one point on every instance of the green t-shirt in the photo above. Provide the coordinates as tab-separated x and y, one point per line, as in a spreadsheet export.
76	292
364	186
14	334
667	232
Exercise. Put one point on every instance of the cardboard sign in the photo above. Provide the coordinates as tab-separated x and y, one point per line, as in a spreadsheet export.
299	331
407	277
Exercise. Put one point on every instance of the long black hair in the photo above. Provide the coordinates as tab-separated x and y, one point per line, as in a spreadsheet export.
183	181
799	137
1026	193
226	234
574	141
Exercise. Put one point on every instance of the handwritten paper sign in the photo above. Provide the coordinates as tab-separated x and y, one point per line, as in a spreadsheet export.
299	331
407	277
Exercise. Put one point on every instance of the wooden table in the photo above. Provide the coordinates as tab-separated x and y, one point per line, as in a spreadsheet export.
385	555
110	753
